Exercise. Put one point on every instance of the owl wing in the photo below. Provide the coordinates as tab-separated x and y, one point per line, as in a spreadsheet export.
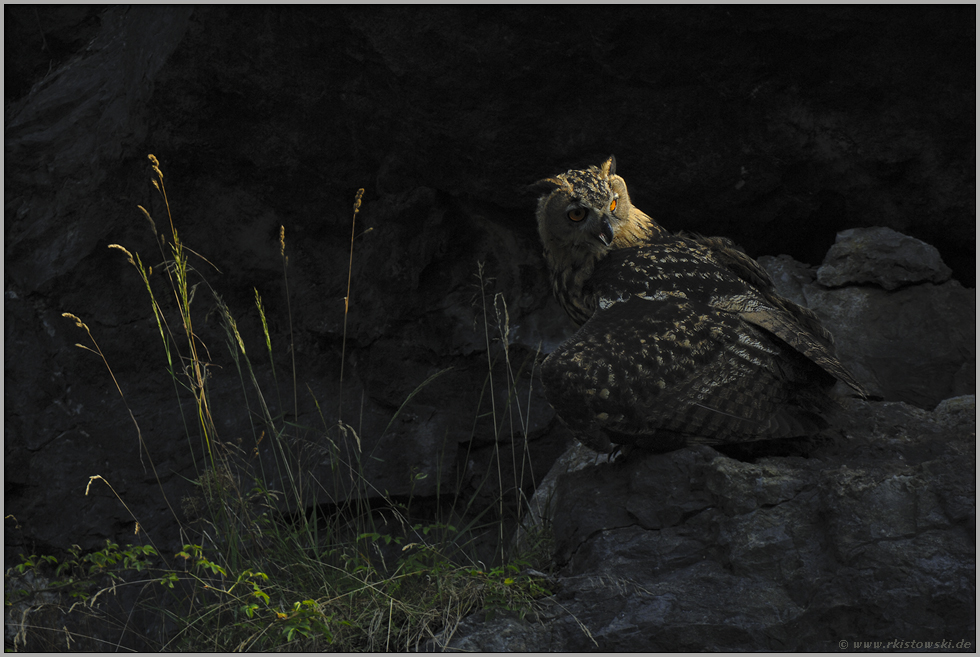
656	362
729	255
787	327
797	326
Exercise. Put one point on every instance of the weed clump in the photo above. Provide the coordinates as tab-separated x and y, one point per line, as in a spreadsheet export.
259	568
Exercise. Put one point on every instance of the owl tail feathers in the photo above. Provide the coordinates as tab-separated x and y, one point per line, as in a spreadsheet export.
793	422
814	412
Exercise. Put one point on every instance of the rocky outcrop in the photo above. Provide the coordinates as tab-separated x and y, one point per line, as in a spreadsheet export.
864	536
794	545
882	257
903	327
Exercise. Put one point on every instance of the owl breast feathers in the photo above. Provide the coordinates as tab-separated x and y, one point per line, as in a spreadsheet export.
683	340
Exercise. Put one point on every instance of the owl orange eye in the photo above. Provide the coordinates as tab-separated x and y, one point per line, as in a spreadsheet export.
577	214
612	206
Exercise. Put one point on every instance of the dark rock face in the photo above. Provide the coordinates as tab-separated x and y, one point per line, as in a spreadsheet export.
883	257
905	330
65	138
870	536
775	127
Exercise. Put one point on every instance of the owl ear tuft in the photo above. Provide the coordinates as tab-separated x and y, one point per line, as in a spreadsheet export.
548	185
609	166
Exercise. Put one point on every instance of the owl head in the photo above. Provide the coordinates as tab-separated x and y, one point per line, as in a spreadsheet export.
583	209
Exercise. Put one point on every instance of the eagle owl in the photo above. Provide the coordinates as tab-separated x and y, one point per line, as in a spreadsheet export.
683	338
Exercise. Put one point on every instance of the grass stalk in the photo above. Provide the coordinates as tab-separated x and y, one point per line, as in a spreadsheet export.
259	568
350	272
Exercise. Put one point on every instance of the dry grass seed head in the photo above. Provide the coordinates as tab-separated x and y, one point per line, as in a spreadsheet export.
79	323
129	256
153	224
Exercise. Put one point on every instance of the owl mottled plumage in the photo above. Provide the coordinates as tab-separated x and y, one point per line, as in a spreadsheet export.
683	338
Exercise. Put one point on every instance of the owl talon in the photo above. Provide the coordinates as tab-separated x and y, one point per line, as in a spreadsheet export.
620	453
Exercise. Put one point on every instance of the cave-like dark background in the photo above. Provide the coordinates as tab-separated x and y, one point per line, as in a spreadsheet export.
777	127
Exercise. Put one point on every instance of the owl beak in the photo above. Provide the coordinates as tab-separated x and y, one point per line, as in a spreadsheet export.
605	231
